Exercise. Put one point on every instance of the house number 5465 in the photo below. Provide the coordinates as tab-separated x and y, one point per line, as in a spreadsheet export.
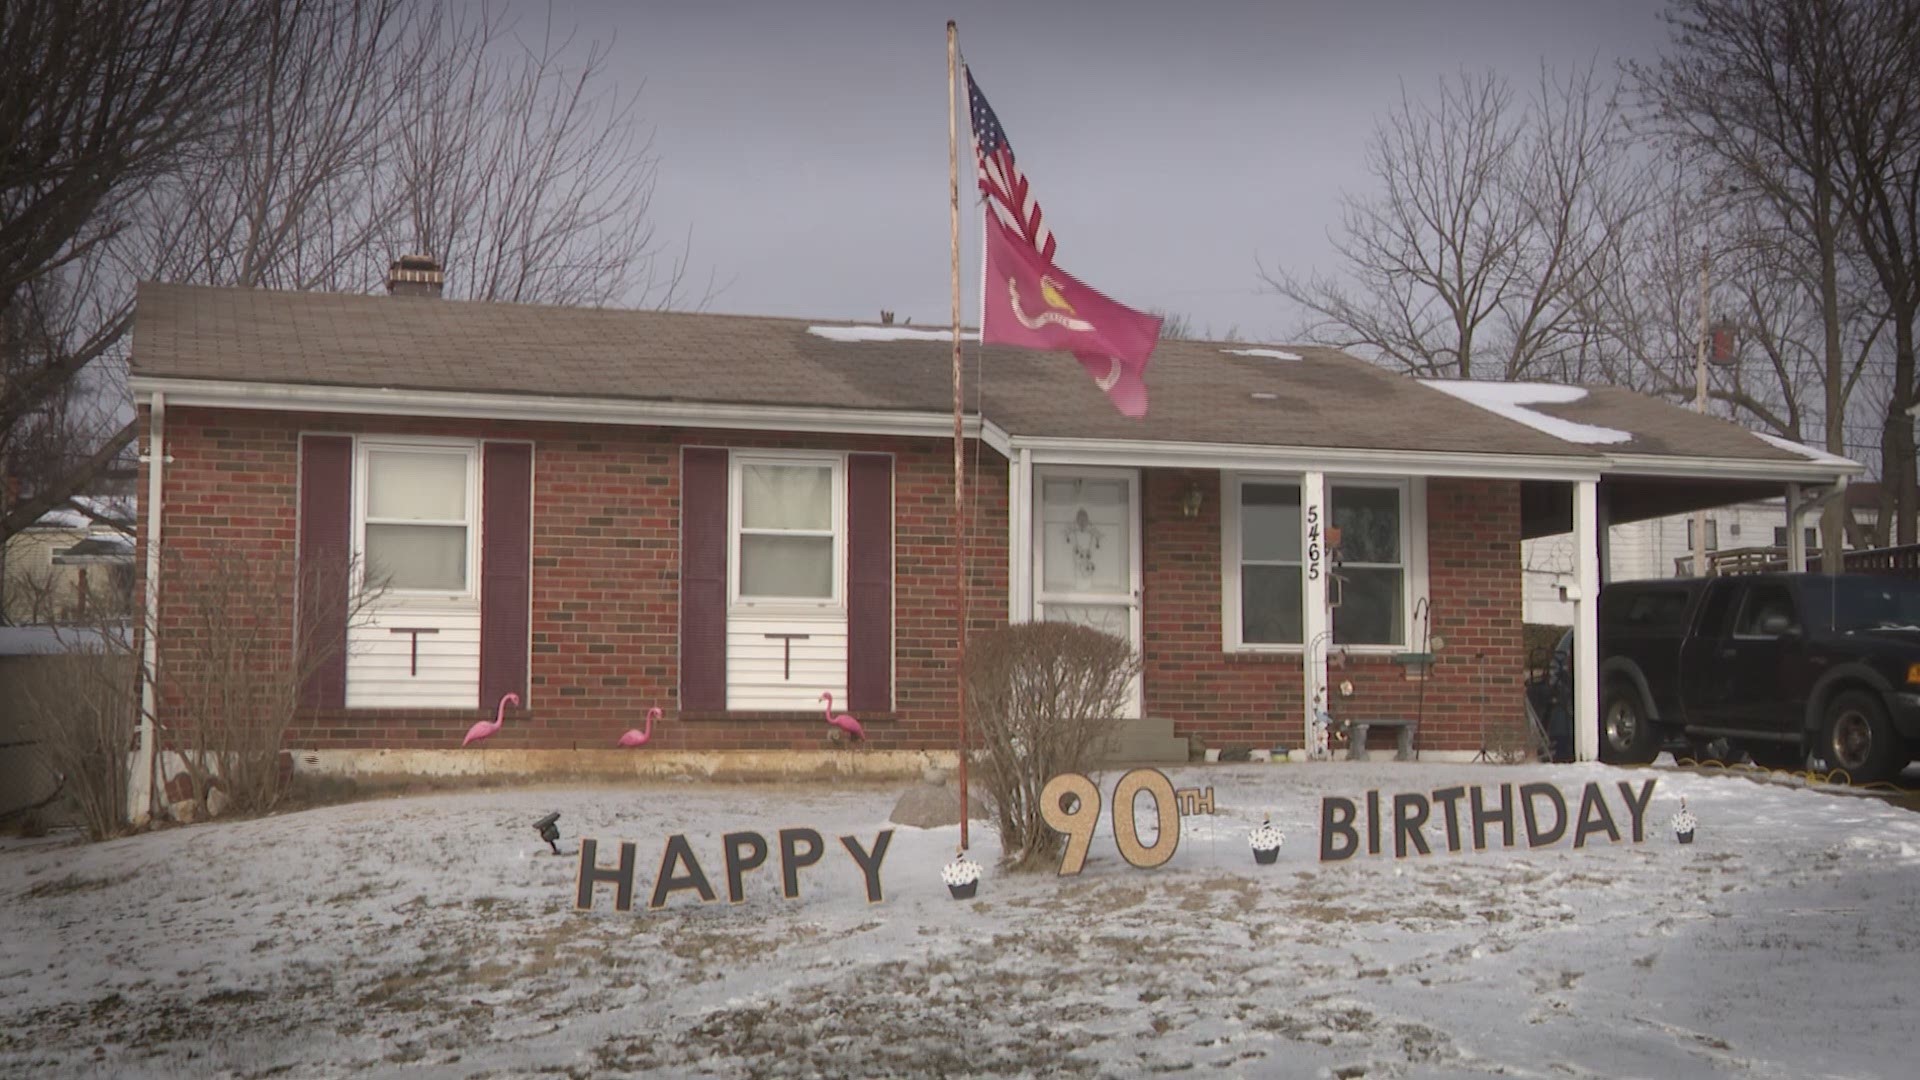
1313	543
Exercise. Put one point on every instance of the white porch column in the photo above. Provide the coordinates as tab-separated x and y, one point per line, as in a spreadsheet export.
1316	623
1586	620
1020	537
1796	539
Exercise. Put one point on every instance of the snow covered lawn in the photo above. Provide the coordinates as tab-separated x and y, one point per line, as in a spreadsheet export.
436	935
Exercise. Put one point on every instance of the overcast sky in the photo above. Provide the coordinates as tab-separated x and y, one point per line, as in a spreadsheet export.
1175	147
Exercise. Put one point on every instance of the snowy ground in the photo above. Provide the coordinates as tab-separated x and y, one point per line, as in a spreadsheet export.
437	936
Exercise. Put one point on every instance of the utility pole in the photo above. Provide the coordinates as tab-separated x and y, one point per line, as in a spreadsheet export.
1700	406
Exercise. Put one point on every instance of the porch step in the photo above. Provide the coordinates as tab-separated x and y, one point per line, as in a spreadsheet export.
1146	741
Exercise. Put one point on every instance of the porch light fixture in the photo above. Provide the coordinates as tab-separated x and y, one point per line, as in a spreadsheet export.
1190	502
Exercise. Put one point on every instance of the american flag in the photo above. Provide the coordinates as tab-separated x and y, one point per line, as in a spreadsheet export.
1001	180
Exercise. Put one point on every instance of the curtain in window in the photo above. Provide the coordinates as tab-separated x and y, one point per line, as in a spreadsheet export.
786	523
417	520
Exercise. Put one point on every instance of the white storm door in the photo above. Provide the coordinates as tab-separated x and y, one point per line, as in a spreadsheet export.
1086	564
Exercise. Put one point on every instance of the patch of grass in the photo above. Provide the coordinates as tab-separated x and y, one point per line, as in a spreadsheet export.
73	884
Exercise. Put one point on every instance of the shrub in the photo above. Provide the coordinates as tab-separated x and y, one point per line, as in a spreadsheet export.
1041	699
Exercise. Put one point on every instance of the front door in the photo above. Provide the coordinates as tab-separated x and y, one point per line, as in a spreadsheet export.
1086	556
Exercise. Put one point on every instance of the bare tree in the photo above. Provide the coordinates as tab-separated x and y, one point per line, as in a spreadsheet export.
1751	85
98	98
361	129
1478	251
1878	105
521	167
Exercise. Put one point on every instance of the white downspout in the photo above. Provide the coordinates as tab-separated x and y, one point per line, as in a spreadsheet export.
140	784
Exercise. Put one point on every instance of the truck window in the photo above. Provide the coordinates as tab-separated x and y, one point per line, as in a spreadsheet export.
1713	609
1761	602
1655	610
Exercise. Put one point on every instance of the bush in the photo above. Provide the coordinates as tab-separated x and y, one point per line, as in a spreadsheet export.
1041	699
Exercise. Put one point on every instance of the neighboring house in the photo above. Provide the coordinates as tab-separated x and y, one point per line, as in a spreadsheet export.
1663	547
75	564
726	516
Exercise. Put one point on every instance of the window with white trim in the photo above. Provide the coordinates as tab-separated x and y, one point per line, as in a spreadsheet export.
787	524
1265	593
1269	556
1372	575
417	517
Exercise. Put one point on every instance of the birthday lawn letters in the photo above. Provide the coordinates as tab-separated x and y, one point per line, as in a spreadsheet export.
741	853
1419	822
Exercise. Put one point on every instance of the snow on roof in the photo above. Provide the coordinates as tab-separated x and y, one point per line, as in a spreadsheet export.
885	333
1820	456
1275	354
117	508
1511	399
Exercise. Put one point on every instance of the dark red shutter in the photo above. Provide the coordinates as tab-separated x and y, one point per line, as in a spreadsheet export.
506	562
326	519
703	579
870	582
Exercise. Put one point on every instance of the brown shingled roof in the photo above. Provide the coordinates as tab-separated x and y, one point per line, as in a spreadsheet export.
1201	392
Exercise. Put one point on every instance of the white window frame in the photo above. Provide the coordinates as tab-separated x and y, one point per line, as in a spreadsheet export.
1413	553
363	450
1410	513
737	461
1231	562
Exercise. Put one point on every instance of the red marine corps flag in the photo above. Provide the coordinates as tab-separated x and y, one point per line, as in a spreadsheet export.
1029	302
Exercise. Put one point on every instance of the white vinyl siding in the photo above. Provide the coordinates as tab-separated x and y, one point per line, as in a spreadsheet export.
380	668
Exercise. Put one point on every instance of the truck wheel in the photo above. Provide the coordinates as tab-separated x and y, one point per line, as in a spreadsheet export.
1627	737
1857	737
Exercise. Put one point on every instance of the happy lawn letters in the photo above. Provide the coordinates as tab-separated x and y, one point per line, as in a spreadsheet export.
1453	815
741	853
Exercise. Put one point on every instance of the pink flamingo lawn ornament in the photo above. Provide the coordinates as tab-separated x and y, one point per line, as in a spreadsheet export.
844	722
482	729
639	738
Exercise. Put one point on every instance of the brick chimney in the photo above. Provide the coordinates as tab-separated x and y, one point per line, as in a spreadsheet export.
415	275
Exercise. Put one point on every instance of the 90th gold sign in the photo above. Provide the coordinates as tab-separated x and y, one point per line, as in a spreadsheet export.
1070	803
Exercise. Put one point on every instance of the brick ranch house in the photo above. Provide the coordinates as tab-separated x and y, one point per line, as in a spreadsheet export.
725	516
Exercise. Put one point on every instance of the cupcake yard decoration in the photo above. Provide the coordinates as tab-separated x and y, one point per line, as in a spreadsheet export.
1266	841
1683	824
962	876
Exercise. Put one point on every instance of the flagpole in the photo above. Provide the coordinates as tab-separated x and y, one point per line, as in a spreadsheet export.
959	442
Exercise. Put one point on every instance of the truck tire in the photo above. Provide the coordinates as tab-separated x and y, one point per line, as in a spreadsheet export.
1858	737
1627	736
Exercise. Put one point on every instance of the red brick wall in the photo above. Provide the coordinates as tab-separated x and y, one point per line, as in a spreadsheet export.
1245	699
605	577
606	593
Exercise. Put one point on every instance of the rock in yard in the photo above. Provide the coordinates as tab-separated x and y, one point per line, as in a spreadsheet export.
925	806
185	811
217	802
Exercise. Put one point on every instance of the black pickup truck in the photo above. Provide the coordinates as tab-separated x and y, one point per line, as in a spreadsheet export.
1785	666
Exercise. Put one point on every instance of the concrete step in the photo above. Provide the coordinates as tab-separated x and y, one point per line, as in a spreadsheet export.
1145	741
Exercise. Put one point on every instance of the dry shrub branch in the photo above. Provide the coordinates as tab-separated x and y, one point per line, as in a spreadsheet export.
237	668
1041	700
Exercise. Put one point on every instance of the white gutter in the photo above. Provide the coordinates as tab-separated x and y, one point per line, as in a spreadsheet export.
1806	470
460	404
1052	450
140	783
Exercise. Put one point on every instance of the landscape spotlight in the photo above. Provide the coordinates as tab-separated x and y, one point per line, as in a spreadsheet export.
549	831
